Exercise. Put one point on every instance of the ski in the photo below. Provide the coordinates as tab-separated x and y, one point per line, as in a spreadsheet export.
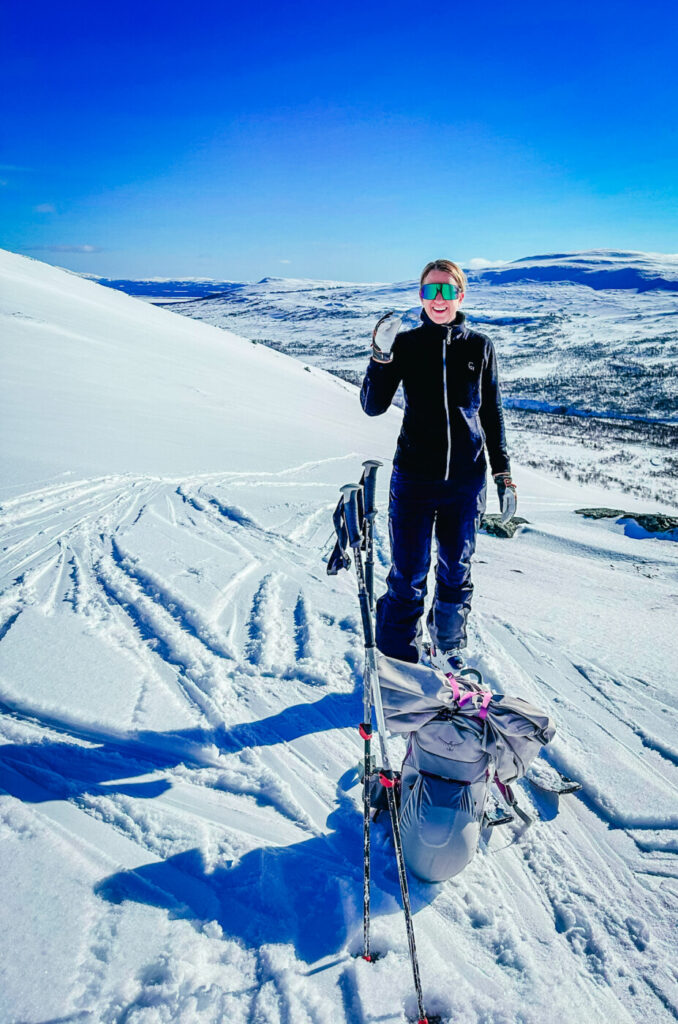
496	815
548	779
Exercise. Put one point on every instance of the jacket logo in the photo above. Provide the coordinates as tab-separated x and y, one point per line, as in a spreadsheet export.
471	366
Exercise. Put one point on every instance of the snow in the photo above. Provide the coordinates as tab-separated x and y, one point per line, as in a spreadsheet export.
120	386
180	683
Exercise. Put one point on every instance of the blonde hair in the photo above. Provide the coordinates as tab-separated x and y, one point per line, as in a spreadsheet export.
447	267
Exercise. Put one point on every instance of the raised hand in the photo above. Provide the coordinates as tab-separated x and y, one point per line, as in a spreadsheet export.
383	337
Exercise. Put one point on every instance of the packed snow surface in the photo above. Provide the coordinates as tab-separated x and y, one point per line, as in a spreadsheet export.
180	684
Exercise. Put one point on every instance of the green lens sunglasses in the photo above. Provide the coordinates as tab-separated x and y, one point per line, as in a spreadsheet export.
448	291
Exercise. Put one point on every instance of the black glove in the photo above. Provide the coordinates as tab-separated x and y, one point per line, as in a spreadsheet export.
508	497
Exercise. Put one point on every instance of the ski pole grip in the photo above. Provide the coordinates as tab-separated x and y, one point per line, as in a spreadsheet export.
350	493
371	466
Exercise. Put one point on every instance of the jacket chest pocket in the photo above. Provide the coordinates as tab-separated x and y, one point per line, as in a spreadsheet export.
464	381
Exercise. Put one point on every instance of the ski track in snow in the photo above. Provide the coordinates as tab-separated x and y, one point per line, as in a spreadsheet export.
229	840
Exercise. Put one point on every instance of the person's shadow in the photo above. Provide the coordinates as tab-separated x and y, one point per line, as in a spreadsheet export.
35	772
308	894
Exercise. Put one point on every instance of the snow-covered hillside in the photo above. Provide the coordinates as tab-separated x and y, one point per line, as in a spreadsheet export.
597	268
180	685
94	381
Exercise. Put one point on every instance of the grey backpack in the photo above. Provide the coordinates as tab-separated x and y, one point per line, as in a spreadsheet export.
461	736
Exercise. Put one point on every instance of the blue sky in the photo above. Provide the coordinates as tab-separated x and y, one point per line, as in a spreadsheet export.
353	141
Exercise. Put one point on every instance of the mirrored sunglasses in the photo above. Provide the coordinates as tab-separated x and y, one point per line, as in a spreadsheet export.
448	291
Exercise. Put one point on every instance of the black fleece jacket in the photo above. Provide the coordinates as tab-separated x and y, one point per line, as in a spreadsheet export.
452	400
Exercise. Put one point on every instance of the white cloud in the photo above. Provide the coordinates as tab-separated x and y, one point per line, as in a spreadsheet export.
286	261
62	248
45	208
479	263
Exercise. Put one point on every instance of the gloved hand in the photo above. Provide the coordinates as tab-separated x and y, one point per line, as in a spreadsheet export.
508	497
383	337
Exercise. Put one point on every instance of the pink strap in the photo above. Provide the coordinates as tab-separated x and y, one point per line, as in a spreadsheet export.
487	697
454	684
502	788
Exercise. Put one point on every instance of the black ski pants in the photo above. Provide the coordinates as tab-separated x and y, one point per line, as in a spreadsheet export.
417	509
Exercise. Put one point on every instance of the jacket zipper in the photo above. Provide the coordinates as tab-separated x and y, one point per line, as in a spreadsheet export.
446	342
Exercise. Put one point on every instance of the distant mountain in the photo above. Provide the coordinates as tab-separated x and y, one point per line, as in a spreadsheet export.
596	268
207	287
166	287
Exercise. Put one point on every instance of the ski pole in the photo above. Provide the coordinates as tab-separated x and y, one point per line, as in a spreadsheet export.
349	492
371	686
369	480
369	489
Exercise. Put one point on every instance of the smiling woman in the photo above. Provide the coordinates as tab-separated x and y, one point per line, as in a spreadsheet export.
443	284
453	412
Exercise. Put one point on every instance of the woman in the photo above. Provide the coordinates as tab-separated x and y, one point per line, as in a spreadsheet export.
452	414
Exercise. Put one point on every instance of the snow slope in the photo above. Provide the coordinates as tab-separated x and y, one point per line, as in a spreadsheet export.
180	683
94	381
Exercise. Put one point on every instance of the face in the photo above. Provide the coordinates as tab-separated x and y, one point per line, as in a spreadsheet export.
440	310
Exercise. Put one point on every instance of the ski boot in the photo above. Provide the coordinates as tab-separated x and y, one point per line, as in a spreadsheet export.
447	662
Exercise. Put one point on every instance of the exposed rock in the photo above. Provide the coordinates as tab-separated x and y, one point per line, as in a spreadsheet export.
601	513
492	524
656	522
653	522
